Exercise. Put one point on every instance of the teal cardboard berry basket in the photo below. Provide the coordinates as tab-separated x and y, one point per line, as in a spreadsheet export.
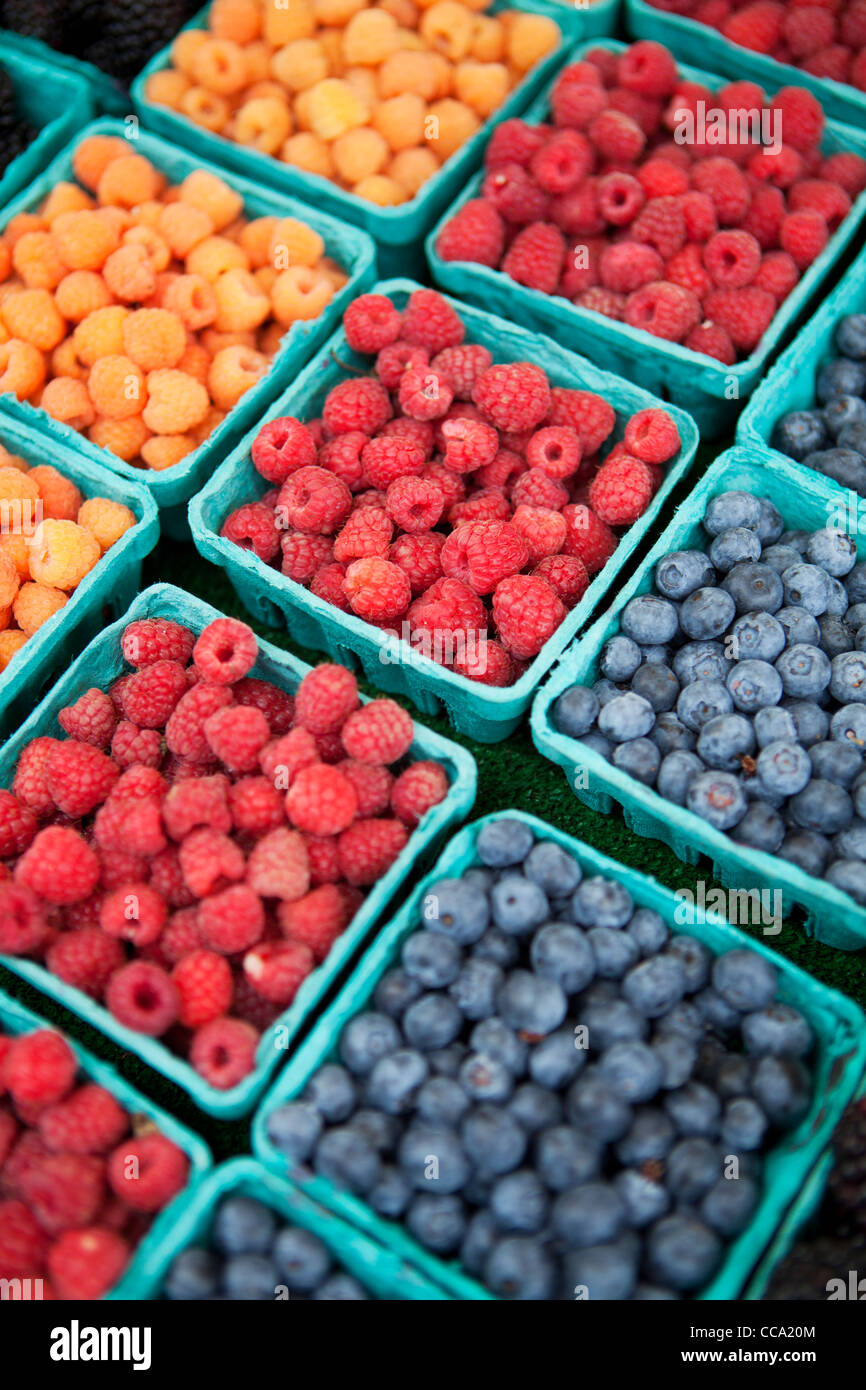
791	383
384	1274
350	248
101	596
105	93
700	44
15	1019
830	915
100	664
398	231
709	390
53	100
484	712
581	19
840	1056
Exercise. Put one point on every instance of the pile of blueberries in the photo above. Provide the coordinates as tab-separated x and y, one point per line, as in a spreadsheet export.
553	1089
831	438
254	1255
738	689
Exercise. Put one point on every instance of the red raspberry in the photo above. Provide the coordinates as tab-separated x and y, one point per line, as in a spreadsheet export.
732	259
502	471
616	136
85	959
181	935
89	1121
780	167
377	590
448	610
18	825
327	584
210	861
665	310
316	920
370	323
576	102
526	612
857	75
130	824
831	201
231	920
324	863
85	1264
276	969
342	457
369	848
304	555
197	802
91	719
424	395
556	450
253	527
237	734
461	366
431	322
686	269
834	62
588	537
535	257
647	68
29	783
414	504
661	178
757	26
419	558
627	265
156	639
777	275
699	216
361	403
621	490
321	801
422	786
224	652
255	806
281	447
620	198
151	694
23	924
652	435
280	759
469	444
39	1068
804	235
134	912
314	501
63	1190
513	396
78	776
184	732
543	531
808	28
203	980
513	142
325	698
578	214
380	732
713	341
389	457
661	224
481	553
726	186
488	504
224	1052
846	170
565	158
745	314
372	783
536	488
131	745
166	878
278	866
764	218
801	115
391	365
147	1171
589	414
59	867
566	575
23	1245
276	705
476	233
852	24
490	664
143	997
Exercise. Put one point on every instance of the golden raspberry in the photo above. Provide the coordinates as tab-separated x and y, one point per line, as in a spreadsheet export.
219	65
238	20
295	243
412	168
37	260
11	641
154	246
408	72
263	123
154	338
80	293
191	297
93	156
363	83
301	110
265	277
300	293
176	402
306	151
128	180
488	39
205	108
258	60
359	153
404	11
300	64
212	195
195	361
385	192
270	338
14	545
105	519
61	554
255	240
233	371
100	334
529	38
129	274
33	316
214	256
401	121
335	107
263	88
5	260
15	461
370	36
337	12
59	495
166	88
185	47
332	47
117	387
215	342
20	225
65	197
146	214
241	303
282	24
66	399
84	239
452	124
163	451
182	227
483	86
64	359
9	580
33	606
124	438
118	219
447	27
203	431
18	486
22	368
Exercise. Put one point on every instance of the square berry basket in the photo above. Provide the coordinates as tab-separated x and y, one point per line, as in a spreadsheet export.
104	92
709	390
384	1274
830	915
100	664
350	248
838	1025
398	231
486	713
101	596
16	1019
51	98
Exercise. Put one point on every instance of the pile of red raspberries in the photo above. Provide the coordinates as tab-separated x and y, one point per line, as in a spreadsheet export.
648	200
193	848
824	37
80	1180
444	483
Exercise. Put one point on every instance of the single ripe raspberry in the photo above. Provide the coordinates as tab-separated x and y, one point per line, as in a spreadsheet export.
687	269
370	323
512	193
39	1068
325	698
414	504
315	501
536	488
542	531
664	310
584	411
588	537
166	878
142	996
321	801
831	201
79	777
801	115
621	490
732	259
377	590
699	215
648	68
422	786
156	639
601	301
18	825
130	824
327	584
481	553
627	265
276	969
845	169
527	612
513	396
231	920
197	802
303	555
324	863
368	531
487	504
361	403
726	186
776	168
281	447
23	1244
89	1121
419	558
342	457
237	734
29	784
150	695
135	912
556	450
803	235
393	362
181	935
63	1190
91	719
316	920
745	314
86	1263
253	527
131	745
662	178
278	866
85	959
147	1171
224	1052
380	732
757	26
502	471
389	457
712	340
23	923
210	861
184	732
536	257
276	705
225	651
475	233
280	759
616	136
450	611
777	274
423	394
372	783
652	435
513	142
59	867
566	575
489	664
368	849
203	980
430	321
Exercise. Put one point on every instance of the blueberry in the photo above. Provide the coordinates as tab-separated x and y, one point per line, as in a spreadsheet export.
843	464
851	440
838	603
772	725
780	557
851	336
519	1202
800	433
700	661
754	685
478	1242
485	1078
831	549
777	1029
592	1106
518	905
504	842
645	1199
475	988
556	872
341	1288
620	658
639	758
808	850
607	1271
707	613
684	1019
850	877
718	798
395	1080
565	1158
194	1274
657	654
783	1089
575	711
694	1109
456	909
496	1039
561	952
682	1252
681	572
249	1278
437	1221
744	979
658	686
442	1101
632	1070
730	1205
332	1091
784	768
799	626
294	1129
626	716
842	411
856	615
670	735
447	1061
807	586
604	691
744	1124
677	1056
724	741
649	1139
431	959
855	582
734	508
614	952
535	1107
733	547
530	1004
822	806
493	1140
378	1127
610	1021
520	1268
848	678
591	1214
836	636
840	378
804	671
675	774
693	1166
302	1259
649	619
601	902
811	722
851	843
753	587
597	743
365	1039
433	1021
702	701
770	522
695	959
348	1159
395	992
761	828
655	985
433	1153
648	930
497	946
836	762
759	636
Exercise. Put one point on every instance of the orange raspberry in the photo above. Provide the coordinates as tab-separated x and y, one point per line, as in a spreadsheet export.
176	402
128	180
529	37
166	88
154	338
123	438
300	293
84	239
118	219
270	339
15	461
488	39
60	497
66	399
117	387
215	342
363	82
163	451
195	361
238	20
155	247
263	123
408	72
214	256
300	64
61	554
294	243
191	297
93	155
11	641
21	224
412	168
455	124
447	28
5	259
146	214
129	274
370	36
334	107
306	151
219	65
481	86
281	24
241	303
380	189
65	197
185	47
100	334
33	316
400	120
37	260
212	195
359	153
233	371
17	485
182	226
64	360
34	605
257	57
205	108
255	240
22	368
105	519
337	12
14	544
9	580
210	422
80	293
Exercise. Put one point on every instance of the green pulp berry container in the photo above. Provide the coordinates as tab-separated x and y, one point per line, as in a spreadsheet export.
383	1274
15	1019
700	44
100	664
581	19
104	92
101	596
55	101
349	247
830	915
484	712
398	231
839	1027
709	390
791	384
